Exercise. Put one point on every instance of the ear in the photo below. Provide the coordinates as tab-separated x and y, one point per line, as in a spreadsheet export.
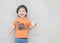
17	14
25	13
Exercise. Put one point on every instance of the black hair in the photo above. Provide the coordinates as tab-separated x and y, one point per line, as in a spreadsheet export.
21	7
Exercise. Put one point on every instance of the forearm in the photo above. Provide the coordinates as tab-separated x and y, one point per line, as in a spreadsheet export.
12	29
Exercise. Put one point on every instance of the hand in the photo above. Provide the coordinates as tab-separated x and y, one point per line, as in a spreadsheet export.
10	32
33	24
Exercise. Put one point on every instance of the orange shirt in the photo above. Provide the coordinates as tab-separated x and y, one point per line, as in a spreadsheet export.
22	27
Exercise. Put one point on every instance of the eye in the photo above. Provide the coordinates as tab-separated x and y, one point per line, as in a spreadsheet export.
19	11
23	10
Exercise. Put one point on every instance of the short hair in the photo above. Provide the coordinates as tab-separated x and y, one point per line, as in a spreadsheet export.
22	6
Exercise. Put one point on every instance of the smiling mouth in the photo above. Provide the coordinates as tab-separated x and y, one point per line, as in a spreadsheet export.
21	14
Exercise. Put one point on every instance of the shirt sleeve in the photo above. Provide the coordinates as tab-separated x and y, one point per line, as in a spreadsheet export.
29	24
14	23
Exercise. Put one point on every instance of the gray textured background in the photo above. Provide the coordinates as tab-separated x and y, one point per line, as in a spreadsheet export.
46	13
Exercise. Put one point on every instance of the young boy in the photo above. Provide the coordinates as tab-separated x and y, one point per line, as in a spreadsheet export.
22	25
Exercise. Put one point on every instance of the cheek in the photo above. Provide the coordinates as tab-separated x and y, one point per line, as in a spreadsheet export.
19	13
25	12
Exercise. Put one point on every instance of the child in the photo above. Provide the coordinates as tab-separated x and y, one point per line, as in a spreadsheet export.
22	25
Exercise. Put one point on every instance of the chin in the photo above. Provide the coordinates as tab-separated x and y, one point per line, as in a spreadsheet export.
22	16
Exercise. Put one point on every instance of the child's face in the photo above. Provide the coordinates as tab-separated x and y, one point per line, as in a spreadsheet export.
22	12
